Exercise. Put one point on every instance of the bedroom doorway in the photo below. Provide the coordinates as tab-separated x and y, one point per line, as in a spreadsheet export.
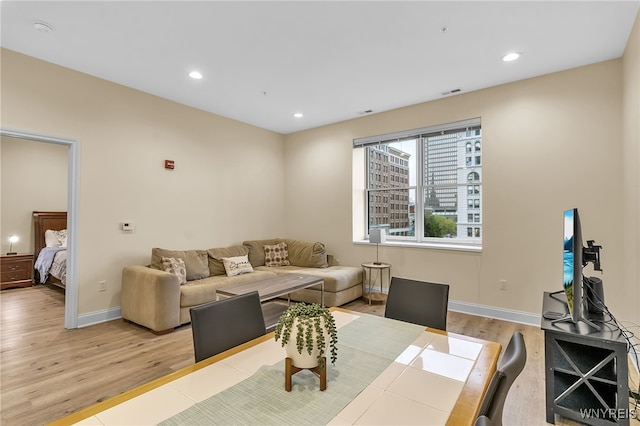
73	173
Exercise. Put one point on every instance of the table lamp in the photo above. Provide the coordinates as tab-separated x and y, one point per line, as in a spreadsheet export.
12	239
377	236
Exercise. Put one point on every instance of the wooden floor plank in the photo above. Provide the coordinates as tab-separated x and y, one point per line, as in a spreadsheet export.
47	372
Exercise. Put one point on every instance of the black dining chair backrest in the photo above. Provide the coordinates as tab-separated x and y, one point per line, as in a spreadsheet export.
224	324
418	302
509	368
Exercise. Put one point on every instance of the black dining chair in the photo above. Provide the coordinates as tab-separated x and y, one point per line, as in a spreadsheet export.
509	368
418	302
223	324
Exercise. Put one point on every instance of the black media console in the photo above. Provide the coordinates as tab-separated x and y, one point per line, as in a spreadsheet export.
586	371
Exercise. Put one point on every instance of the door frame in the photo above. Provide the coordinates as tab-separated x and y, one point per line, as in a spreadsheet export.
73	194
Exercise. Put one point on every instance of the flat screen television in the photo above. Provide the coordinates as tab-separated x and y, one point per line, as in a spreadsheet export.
572	281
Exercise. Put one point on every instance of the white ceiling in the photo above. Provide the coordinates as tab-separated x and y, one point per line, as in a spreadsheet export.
331	60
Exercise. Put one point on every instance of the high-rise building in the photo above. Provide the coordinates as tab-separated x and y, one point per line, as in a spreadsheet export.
452	182
453	175
389	209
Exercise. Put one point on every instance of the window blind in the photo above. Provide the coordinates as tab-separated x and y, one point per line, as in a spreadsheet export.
423	132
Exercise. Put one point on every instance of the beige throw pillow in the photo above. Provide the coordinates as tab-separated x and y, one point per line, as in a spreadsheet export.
276	255
176	267
195	261
237	265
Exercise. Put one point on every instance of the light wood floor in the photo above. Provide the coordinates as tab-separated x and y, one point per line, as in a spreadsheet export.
48	372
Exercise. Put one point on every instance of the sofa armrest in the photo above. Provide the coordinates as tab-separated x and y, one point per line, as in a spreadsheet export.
150	298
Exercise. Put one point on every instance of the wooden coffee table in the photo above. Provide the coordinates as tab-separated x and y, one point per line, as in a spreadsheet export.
271	288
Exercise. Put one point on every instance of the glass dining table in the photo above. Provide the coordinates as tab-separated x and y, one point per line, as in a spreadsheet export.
387	372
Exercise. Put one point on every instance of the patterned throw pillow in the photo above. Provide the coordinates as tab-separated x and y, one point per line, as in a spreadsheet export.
175	266
276	255
237	265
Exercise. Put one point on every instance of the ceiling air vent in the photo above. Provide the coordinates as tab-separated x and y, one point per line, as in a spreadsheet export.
450	92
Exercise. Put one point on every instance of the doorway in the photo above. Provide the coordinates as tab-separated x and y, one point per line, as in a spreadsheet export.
73	161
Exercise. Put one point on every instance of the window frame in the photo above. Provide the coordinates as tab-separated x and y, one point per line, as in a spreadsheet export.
421	187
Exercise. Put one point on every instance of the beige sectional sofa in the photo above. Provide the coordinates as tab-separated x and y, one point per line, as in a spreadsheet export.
156	299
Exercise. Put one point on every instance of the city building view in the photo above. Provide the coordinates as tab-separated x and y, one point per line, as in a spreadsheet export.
446	168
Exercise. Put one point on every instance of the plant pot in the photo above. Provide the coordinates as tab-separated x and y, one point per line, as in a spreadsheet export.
304	359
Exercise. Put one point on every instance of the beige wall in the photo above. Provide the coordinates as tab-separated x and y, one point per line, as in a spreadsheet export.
549	143
34	177
227	185
631	156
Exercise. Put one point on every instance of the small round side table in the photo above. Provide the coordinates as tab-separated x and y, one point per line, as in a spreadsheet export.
368	281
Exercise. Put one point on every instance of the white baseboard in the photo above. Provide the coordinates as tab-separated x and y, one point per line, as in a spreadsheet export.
487	311
97	317
497	313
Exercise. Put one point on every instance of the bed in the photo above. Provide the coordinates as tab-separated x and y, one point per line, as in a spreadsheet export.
49	230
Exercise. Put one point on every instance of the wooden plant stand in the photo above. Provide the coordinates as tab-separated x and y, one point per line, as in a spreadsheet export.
290	370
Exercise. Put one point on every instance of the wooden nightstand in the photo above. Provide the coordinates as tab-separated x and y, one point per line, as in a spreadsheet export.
16	270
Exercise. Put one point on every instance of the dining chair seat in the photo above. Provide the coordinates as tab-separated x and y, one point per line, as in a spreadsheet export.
418	302
223	324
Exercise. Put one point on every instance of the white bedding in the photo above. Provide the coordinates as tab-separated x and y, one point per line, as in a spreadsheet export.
52	261
59	266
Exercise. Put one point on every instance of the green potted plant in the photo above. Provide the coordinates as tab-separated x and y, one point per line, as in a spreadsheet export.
307	331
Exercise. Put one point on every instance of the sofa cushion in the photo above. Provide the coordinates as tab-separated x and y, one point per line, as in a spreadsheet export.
336	278
256	250
237	265
216	267
203	291
307	254
276	255
176	267
301	253
195	261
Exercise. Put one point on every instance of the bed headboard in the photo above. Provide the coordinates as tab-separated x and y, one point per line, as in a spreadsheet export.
43	221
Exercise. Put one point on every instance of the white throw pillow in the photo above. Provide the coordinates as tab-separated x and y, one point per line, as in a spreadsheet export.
237	265
55	238
50	239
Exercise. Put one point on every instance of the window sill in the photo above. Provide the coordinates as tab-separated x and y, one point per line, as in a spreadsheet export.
430	246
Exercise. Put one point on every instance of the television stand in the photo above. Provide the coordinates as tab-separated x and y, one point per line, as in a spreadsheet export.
586	371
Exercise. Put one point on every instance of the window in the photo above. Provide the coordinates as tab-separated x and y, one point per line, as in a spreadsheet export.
429	181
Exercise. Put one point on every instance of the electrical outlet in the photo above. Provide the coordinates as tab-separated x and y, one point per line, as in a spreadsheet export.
102	285
503	285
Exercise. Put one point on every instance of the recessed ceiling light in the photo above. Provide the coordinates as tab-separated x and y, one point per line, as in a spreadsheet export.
43	26
298	115
195	75
511	56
